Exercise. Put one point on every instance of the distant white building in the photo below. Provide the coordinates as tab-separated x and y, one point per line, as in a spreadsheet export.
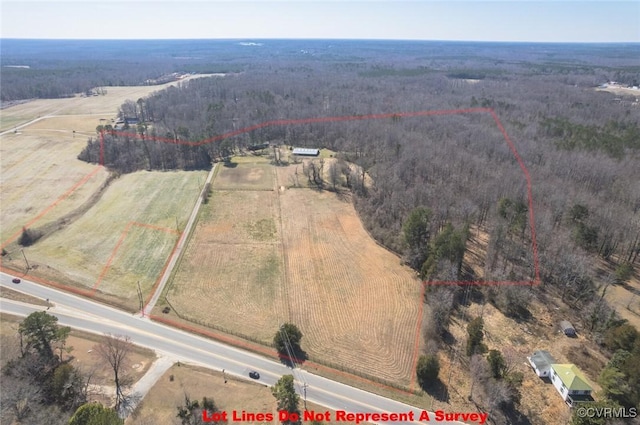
305	152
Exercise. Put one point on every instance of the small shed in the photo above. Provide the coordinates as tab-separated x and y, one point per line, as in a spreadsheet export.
541	362
306	152
568	328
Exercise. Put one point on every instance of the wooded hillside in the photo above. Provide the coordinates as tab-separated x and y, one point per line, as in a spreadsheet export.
580	146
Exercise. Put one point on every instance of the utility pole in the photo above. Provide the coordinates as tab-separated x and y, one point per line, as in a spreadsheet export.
304	390
25	259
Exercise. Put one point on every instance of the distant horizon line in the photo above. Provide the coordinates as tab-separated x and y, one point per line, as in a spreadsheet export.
250	39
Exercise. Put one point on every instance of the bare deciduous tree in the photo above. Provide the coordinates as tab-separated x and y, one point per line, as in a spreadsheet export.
334	174
115	351
479	371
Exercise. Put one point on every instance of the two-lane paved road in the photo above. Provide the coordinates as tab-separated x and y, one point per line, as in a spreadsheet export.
87	315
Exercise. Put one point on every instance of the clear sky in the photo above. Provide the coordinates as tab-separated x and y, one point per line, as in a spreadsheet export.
476	20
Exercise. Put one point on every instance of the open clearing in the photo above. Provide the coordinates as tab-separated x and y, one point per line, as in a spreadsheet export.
38	168
354	302
258	258
231	274
244	176
80	253
107	104
41	179
159	406
626	300
516	340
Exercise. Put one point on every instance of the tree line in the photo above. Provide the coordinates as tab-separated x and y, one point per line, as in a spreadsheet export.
42	384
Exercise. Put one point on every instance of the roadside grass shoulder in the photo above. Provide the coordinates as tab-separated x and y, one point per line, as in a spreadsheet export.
160	404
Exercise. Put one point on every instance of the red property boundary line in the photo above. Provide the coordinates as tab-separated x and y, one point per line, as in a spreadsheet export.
52	205
123	236
91	293
490	111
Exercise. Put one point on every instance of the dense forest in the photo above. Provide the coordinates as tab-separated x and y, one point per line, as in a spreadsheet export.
62	68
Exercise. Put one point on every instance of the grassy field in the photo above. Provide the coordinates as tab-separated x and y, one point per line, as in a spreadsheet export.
244	176
39	167
517	340
110	244
234	263
107	104
258	258
41	178
354	302
626	300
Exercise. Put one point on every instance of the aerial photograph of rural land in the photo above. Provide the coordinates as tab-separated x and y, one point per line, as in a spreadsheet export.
309	212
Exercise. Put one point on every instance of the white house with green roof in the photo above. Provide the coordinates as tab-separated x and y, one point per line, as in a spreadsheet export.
571	383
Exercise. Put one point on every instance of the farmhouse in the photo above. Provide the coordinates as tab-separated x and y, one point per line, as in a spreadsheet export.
541	362
568	328
570	383
306	152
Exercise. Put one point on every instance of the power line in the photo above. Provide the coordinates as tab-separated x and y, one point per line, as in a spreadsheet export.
298	377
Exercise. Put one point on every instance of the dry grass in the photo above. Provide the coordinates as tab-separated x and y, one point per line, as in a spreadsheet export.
354	302
79	253
43	181
540	400
84	356
476	248
39	168
240	217
620	91
78	105
234	263
159	406
10	294
244	176
237	287
139	259
39	163
625	299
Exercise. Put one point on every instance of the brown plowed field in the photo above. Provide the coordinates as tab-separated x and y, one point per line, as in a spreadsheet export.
231	274
237	287
258	258
244	176
354	302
